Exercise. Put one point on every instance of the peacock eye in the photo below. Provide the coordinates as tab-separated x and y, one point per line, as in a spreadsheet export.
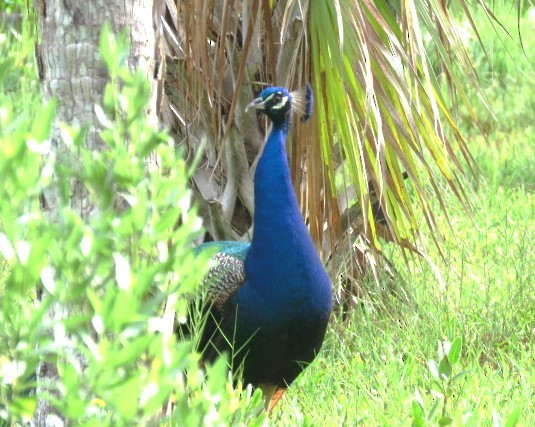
278	101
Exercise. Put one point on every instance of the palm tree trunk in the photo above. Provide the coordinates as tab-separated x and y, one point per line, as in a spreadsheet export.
71	71
70	68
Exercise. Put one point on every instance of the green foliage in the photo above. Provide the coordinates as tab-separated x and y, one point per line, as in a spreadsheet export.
11	6
19	86
111	282
506	69
442	385
380	112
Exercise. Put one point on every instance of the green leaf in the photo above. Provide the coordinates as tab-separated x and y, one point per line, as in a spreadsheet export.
139	211
418	416
513	418
445	421
166	221
121	356
455	350
124	397
113	49
109	99
217	374
444	368
433	409
107	45
433	368
43	121
124	310
23	406
461	374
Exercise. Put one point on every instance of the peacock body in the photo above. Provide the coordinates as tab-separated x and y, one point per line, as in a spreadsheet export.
271	298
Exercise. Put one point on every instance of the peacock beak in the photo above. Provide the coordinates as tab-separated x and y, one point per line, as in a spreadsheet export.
257	104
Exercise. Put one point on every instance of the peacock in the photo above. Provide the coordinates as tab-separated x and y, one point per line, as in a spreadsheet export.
270	299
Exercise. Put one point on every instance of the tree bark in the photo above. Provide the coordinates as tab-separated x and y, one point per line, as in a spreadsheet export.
70	68
71	71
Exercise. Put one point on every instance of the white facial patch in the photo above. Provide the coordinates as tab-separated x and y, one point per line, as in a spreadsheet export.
281	104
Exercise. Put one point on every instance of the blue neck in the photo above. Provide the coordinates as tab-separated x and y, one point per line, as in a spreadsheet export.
281	243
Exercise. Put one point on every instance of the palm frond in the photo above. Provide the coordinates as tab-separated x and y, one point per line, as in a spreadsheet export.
381	143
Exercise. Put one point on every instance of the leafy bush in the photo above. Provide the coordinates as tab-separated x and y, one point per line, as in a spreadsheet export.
110	283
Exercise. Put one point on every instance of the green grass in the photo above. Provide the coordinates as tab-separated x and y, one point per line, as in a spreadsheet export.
506	71
374	364
18	73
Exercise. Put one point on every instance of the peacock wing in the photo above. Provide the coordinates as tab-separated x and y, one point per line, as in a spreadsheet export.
223	279
221	282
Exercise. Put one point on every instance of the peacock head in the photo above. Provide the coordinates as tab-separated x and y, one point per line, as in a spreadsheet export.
277	103
274	102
